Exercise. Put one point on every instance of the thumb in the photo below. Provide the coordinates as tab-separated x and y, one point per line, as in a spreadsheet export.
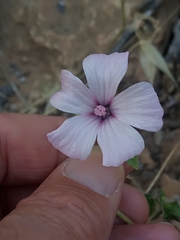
77	201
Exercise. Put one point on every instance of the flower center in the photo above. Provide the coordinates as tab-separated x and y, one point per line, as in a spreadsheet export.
101	111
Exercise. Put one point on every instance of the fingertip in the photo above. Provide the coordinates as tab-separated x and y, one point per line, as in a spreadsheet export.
161	231
134	204
168	231
127	168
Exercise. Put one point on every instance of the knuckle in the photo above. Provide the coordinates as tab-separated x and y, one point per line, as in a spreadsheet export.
68	210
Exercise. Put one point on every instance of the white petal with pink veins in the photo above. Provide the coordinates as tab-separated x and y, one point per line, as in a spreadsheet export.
139	106
74	96
76	136
118	141
104	73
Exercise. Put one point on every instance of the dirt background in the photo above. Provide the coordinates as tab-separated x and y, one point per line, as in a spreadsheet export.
40	38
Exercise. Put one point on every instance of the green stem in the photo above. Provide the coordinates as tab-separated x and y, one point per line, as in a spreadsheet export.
123	217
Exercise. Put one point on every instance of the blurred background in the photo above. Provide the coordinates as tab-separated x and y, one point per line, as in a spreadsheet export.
39	38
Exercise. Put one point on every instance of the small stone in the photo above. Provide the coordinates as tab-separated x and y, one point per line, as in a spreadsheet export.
25	59
23	78
13	107
61	6
47	77
169	185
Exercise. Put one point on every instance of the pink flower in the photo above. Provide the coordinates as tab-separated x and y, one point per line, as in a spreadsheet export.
102	116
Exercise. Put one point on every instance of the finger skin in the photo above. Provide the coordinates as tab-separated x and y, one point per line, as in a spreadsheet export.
145	232
12	195
35	145
134	204
63	209
26	156
137	210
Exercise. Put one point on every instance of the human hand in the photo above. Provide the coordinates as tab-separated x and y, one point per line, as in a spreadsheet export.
56	207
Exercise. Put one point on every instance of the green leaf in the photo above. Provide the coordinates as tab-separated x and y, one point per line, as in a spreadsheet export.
161	198
172	210
134	162
159	205
152	204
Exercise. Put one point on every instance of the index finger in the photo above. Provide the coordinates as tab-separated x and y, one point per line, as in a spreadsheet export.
26	156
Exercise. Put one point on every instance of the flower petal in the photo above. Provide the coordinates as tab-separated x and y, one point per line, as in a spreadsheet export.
119	142
139	106
104	73
74	96
76	136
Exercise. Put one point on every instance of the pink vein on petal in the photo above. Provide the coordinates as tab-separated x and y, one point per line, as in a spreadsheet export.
139	106
76	136
74	96
119	142
104	73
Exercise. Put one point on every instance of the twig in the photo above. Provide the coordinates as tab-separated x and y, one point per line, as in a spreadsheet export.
44	98
170	16
164	24
135	45
14	87
123	20
2	95
18	93
123	16
50	111
36	103
162	168
122	216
